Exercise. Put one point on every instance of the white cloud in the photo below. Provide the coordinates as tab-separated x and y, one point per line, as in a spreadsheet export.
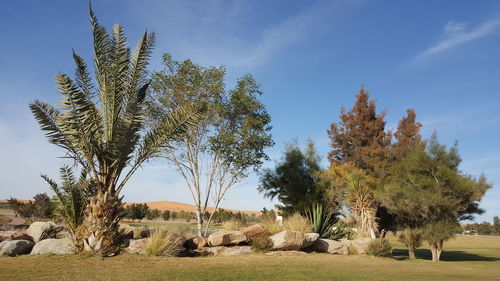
457	33
232	34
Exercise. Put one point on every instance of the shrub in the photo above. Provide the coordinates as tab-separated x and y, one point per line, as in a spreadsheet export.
232	225
138	232
272	225
261	244
379	248
298	222
340	230
164	242
322	222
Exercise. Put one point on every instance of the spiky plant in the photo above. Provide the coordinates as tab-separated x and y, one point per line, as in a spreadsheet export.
72	196
322	222
361	202
101	127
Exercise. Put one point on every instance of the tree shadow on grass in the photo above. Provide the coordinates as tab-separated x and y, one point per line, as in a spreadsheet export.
402	254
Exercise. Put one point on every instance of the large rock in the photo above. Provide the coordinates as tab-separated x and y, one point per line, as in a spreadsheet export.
359	244
53	246
309	239
330	246
126	231
285	253
226	237
288	240
255	231
15	247
14	235
229	251
37	228
195	243
137	246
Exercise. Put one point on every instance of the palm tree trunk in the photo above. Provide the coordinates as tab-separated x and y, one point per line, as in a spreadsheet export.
99	233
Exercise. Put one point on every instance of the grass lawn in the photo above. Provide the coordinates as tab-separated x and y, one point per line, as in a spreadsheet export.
465	258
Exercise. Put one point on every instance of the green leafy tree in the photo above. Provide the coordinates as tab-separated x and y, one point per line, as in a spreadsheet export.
295	181
165	215
496	224
41	207
226	143
426	187
136	211
153	214
101	127
72	197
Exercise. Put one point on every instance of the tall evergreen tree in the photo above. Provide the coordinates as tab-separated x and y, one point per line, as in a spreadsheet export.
295	181
360	137
427	190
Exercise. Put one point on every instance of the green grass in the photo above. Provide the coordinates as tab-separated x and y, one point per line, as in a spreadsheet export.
465	258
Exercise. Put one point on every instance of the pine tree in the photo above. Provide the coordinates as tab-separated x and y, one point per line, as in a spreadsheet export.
360	137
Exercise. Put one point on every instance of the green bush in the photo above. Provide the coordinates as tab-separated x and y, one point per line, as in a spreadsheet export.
379	248
340	230
261	244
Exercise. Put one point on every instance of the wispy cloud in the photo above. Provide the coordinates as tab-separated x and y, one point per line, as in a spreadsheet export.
217	32
457	33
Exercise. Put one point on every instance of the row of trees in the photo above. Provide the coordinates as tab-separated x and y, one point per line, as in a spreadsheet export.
141	211
484	228
383	180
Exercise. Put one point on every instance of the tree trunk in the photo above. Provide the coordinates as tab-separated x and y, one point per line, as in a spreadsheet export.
411	253
199	219
434	251
99	232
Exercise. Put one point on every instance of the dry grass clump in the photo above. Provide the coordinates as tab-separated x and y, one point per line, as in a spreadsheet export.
272	225
164	242
379	248
298	222
232	225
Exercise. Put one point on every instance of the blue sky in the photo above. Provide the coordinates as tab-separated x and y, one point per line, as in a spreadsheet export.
439	57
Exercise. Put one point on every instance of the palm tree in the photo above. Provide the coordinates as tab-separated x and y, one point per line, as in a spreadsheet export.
101	127
361	202
72	196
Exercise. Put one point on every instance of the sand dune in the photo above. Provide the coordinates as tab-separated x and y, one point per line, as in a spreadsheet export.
176	206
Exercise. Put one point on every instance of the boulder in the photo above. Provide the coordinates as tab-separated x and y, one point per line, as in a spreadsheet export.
359	244
195	243
37	228
288	240
330	246
222	251
126	231
226	237
285	253
14	235
15	247
137	246
53	246
255	231
309	239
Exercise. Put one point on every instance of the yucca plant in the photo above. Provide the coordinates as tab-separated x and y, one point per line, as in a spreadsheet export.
101	127
361	202
321	221
72	196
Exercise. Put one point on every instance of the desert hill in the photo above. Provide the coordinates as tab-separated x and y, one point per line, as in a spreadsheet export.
176	207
